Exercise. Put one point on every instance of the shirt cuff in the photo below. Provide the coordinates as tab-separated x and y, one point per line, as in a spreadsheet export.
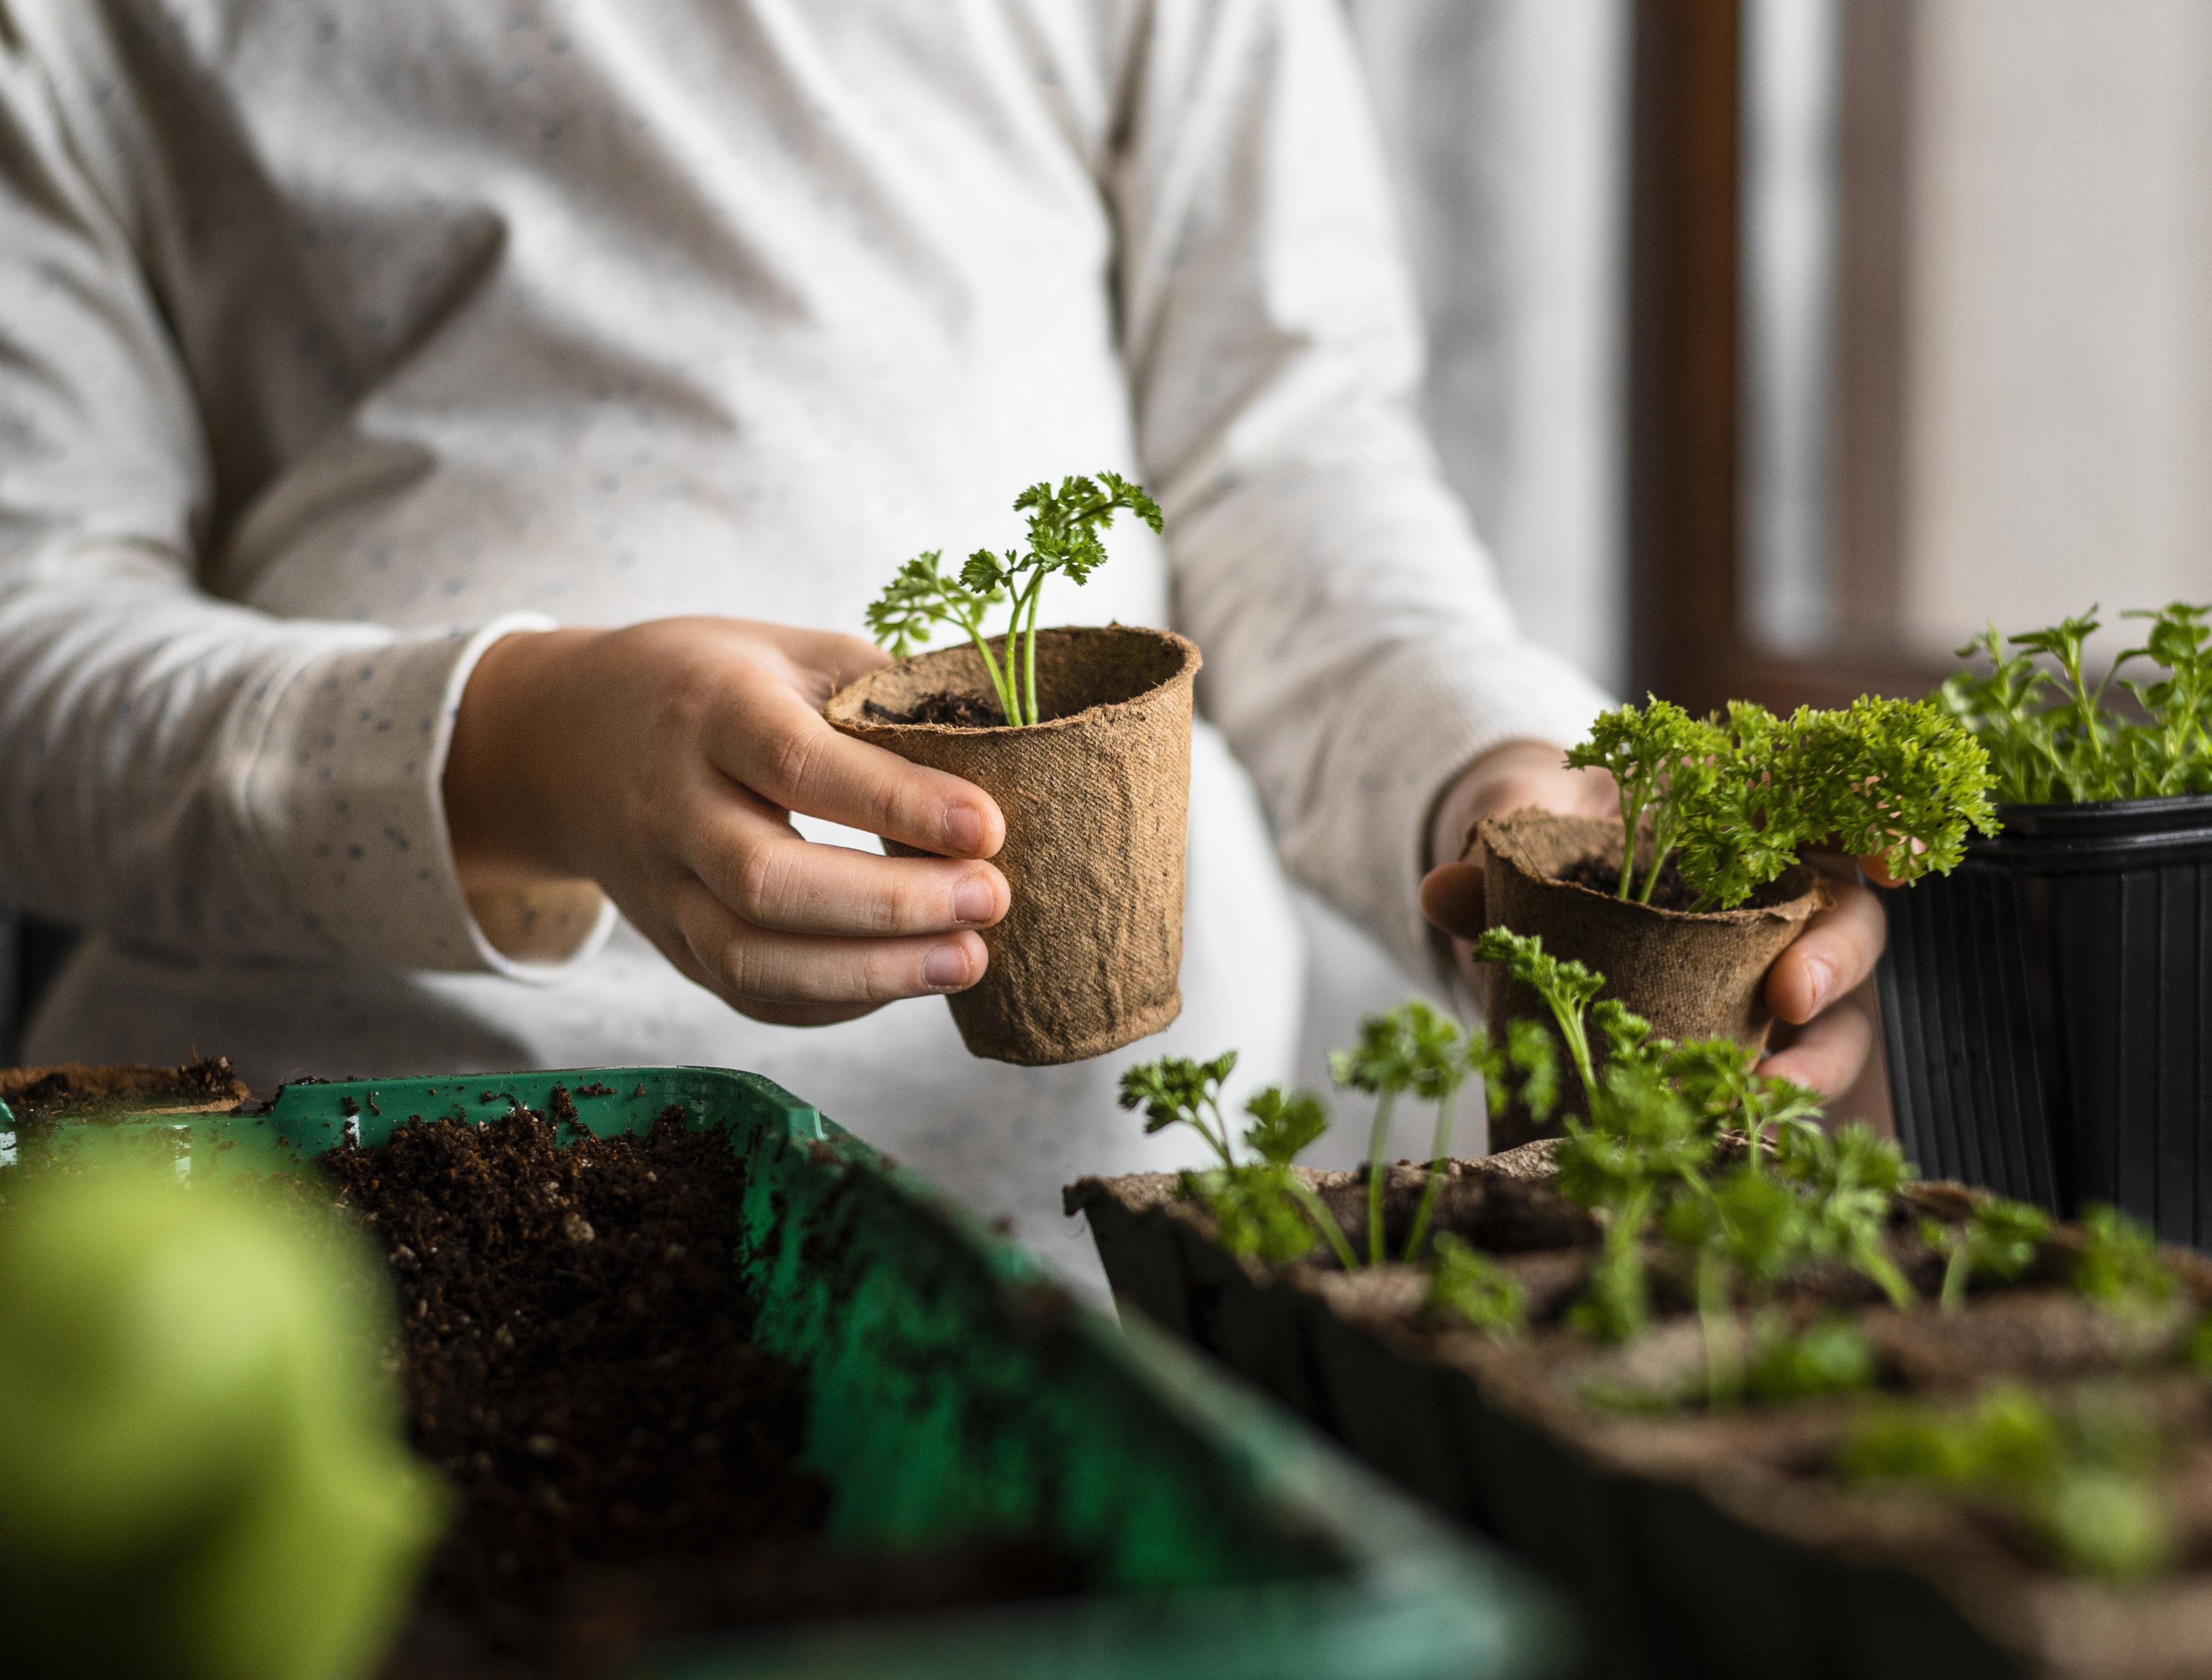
1439	710
335	780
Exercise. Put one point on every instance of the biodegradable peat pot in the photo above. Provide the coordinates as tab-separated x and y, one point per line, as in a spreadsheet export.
1097	799
1698	1544
2045	1008
1691	974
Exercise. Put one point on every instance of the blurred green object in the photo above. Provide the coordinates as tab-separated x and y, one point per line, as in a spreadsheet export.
202	1472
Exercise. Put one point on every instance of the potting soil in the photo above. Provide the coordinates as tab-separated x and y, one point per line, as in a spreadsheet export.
1670	892
948	706
577	1360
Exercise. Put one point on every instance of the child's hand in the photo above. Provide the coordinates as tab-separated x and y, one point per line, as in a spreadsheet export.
1823	1038
662	761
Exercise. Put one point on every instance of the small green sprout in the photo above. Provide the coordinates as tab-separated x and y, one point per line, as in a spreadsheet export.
1174	1090
1064	539
1413	1049
2000	1239
1282	1127
1850	1178
2196	1347
1615	1304
203	1472
1566	987
2087	1484
1715	1079
1832	1355
1468	1285
2119	1267
1750	1227
1255	1210
1262	1207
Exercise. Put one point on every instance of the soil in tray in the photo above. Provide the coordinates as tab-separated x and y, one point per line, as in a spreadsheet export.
577	1362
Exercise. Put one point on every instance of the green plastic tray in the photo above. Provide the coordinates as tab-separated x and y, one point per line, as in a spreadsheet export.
956	1389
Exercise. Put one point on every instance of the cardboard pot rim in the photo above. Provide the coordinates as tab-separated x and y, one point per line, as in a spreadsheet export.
1810	894
845	706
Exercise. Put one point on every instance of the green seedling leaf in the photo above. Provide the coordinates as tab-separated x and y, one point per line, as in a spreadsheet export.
1849	1179
1628	1037
1282	1127
1256	1211
1410	1048
2000	1239
2119	1266
1830	1356
1535	1054
1065	540
1467	1285
1174	1090
1565	985
2087	1485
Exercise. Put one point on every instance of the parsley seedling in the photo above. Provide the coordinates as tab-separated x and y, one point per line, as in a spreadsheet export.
1849	1178
1468	1285
1566	987
2000	1239
1262	1207
2058	739
1064	539
1831	1355
2086	1483
2119	1267
1413	1049
1732	801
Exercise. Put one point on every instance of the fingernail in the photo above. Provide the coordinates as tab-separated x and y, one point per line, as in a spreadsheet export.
1823	981
974	901
963	828
946	967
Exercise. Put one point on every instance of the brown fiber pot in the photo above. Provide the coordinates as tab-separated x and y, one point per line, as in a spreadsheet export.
1690	974
1097	799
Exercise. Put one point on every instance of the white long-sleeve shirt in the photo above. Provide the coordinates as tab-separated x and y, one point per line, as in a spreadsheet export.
338	339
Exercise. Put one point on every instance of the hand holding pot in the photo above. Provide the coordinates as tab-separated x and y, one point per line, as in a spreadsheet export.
1824	1038
663	762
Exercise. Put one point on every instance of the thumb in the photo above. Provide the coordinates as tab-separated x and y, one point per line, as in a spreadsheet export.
1452	898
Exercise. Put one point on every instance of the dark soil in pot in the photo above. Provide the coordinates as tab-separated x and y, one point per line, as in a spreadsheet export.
577	1362
2046	1010
1701	1541
1689	973
1096	800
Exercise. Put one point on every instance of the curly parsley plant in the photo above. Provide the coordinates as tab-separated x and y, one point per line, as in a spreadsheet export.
1064	539
1731	801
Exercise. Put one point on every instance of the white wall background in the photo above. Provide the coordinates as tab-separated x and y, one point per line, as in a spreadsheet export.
2059	348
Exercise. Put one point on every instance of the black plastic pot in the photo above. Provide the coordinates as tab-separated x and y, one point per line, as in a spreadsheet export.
2045	1011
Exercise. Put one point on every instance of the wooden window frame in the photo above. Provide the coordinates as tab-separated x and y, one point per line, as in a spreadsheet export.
1688	640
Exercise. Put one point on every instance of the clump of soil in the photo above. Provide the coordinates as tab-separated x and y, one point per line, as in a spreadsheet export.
81	1091
947	706
579	1363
